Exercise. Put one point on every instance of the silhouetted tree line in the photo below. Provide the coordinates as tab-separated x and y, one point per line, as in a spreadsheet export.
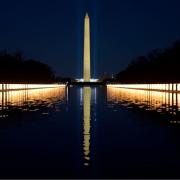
159	66
14	68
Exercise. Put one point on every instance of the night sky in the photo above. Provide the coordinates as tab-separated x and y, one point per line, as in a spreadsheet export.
52	31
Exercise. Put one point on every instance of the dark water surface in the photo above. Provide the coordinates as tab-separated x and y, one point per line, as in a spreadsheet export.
88	132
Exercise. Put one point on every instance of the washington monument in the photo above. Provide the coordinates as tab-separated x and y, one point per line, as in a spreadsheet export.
87	62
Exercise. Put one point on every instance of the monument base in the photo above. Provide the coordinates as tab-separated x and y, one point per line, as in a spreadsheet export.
86	83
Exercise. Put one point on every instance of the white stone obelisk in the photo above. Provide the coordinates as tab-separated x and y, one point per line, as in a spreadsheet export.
87	62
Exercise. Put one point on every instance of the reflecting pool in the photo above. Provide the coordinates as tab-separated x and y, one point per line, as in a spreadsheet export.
88	132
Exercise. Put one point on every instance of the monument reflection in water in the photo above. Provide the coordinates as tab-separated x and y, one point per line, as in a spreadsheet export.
28	97
92	132
87	125
161	101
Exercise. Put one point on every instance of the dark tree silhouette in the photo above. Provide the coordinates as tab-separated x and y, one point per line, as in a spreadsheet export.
14	68
159	66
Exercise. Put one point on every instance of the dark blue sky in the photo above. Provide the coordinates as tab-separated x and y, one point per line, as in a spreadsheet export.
52	31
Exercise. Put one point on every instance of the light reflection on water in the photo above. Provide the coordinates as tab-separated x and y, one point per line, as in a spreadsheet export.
88	101
15	98
29	99
164	102
87	118
86	137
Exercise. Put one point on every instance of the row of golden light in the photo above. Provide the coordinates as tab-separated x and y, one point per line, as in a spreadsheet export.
28	86
164	87
37	93
153	100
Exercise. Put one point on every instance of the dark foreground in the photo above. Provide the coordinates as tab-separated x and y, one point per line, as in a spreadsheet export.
87	132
